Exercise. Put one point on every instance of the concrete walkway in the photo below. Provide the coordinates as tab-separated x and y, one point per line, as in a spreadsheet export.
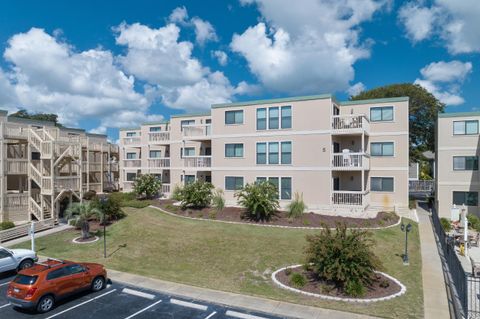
37	235
277	308
434	289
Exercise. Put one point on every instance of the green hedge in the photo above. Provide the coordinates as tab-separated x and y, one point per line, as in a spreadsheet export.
6	225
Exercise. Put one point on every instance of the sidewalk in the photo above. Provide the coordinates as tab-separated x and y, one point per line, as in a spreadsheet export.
434	289
278	308
37	235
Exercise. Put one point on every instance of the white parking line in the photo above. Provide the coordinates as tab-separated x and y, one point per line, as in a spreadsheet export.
8	304
138	293
144	309
242	315
4	284
81	304
211	315
188	304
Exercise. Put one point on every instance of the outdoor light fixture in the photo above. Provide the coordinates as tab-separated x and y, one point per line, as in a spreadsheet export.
406	229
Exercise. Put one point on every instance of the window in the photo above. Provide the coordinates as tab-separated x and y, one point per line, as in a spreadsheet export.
274	181
130	134
131	177
25	280
233	150
273	118
465	163
234	117
273	153
382	149
189	179
155	129
186	123
379	114
57	273
261	153
262	119
467	198
189	151
233	183
465	127
286	153
382	184
155	154
260	180
286	116
286	188
74	269
4	254
131	155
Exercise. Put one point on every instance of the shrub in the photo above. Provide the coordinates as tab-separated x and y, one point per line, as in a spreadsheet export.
123	197
306	222
446	225
148	185
389	216
384	283
344	257
474	222
89	195
260	200
196	195
136	203
218	201
296	207
176	193
111	207
288	271
6	225
355	288
298	280
212	214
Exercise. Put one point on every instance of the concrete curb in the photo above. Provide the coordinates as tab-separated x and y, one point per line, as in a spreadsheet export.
271	226
76	240
402	291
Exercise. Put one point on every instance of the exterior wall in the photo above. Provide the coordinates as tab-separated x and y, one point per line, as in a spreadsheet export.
448	146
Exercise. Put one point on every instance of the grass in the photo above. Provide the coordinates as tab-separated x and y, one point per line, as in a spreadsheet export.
236	258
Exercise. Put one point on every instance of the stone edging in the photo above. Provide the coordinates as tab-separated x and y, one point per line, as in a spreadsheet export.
326	297
75	240
273	226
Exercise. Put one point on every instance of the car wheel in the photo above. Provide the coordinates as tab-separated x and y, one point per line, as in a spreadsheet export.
98	284
45	304
27	263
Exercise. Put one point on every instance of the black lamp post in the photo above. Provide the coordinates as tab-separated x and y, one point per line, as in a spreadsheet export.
406	229
103	200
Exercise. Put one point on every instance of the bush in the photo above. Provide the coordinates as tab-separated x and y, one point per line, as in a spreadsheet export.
298	280
355	288
111	207
344	257
6	225
89	195
136	203
296	207
176	193
218	201
288	271
260	200
148	185
196	195
446	225
474	222
123	197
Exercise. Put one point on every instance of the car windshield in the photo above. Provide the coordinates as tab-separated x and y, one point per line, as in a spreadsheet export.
25	280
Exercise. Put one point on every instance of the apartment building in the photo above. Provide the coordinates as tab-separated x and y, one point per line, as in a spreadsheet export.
44	168
457	150
340	155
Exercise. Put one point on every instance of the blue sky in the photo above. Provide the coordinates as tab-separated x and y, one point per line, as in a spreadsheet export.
102	65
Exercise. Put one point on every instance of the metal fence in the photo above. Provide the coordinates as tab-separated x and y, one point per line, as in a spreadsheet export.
421	186
467	286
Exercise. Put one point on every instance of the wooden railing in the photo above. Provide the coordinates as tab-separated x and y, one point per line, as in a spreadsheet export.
67	182
159	136
23	230
35	139
17	166
16	201
165	188
197	161
196	130
351	198
348	123
15	130
34	208
132	163
349	161
159	162
47	186
35	174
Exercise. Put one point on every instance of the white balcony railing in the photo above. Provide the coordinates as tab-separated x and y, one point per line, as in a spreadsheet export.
159	162
351	198
15	130
197	161
158	136
16	201
350	123
131	140
67	182
350	161
165	188
197	130
17	166
132	163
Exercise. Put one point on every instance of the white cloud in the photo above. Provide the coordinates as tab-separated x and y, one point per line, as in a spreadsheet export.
179	15
221	57
204	31
455	22
444	80
8	97
295	51
356	89
49	75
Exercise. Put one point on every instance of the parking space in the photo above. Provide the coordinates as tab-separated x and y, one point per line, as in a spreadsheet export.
118	301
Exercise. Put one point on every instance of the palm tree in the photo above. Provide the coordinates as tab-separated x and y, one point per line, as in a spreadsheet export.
83	212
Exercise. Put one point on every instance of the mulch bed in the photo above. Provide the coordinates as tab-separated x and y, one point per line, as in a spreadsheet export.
86	240
329	289
235	214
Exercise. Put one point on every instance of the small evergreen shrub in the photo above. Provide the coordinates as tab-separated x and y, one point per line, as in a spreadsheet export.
136	203
306	222
297	206
474	222
384	283
196	195
298	280
355	288
445	222
176	193
6	225
111	207
212	214
260	200
147	185
89	195
218	201
288	271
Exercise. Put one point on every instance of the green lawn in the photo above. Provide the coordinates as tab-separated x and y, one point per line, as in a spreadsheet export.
236	258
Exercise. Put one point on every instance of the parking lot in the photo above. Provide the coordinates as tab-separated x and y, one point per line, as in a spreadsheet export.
126	302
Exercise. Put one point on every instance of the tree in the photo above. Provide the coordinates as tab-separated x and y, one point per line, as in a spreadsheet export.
260	200
423	111
50	117
147	185
83	213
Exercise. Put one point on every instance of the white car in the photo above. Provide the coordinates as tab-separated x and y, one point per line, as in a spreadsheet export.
16	259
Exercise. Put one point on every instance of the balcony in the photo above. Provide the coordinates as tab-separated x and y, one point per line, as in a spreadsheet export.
350	124
131	140
132	163
350	161
197	161
160	162
17	166
159	137
67	183
358	199
197	131
16	201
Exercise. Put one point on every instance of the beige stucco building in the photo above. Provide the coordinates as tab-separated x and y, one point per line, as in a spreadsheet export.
457	176
349	156
44	167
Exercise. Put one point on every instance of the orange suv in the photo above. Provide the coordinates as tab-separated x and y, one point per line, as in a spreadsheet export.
40	286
